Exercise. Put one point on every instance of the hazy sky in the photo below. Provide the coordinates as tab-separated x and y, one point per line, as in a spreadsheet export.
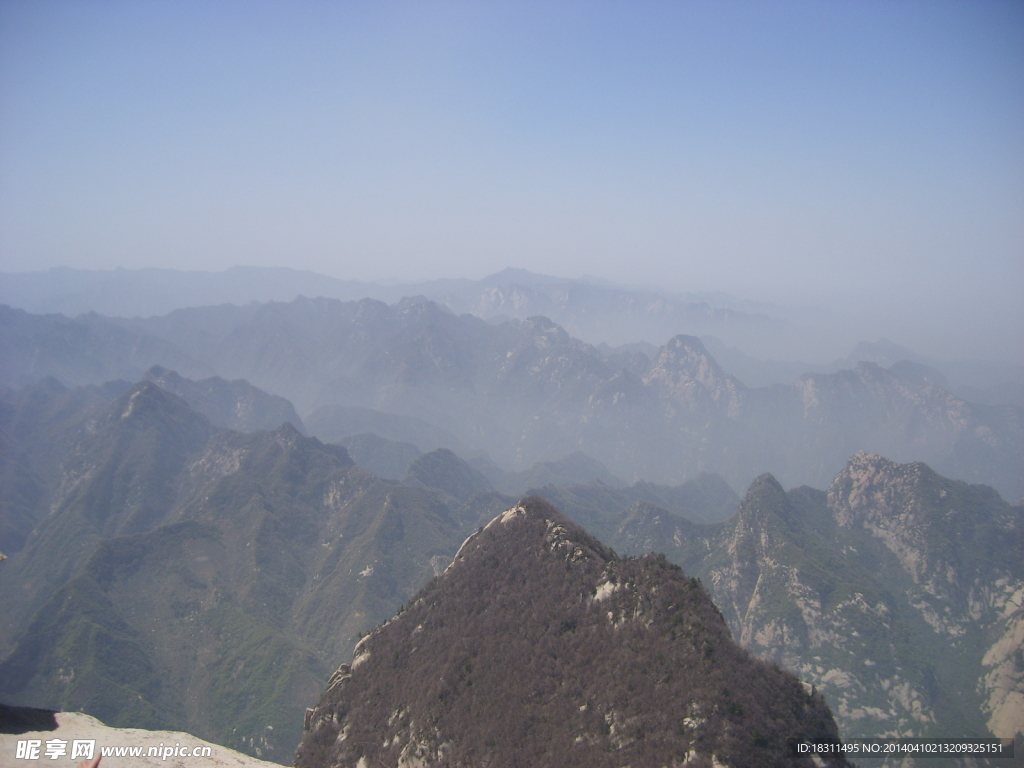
865	152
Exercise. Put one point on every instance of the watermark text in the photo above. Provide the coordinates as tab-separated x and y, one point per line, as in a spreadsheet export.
86	749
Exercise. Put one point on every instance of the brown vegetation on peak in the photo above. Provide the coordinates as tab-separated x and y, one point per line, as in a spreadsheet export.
539	646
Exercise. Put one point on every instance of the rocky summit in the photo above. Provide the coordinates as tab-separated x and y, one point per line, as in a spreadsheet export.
539	646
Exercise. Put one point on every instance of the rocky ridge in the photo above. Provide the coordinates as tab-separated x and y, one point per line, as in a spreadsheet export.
260	556
897	592
616	662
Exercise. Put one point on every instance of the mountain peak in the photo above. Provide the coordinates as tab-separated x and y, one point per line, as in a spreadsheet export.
287	434
765	511
685	372
764	493
538	646
443	470
146	401
536	526
872	484
158	371
690	343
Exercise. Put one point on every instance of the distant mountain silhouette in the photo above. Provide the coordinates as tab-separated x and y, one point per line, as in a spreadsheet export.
575	468
525	391
442	470
385	458
587	307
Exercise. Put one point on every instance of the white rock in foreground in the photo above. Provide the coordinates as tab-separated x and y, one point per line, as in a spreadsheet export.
75	725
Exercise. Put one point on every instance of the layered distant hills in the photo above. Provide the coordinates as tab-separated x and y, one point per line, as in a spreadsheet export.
526	391
759	342
166	572
203	511
589	308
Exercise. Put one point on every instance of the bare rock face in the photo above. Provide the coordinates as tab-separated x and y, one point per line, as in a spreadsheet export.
897	593
956	549
539	646
1003	686
684	372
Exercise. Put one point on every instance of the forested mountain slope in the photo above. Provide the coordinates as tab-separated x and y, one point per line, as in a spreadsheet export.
539	646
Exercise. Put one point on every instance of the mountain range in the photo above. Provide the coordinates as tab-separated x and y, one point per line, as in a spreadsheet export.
896	592
526	391
759	342
165	572
587	307
186	551
258	556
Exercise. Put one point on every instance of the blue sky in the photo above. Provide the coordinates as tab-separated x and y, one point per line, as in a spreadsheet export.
869	154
